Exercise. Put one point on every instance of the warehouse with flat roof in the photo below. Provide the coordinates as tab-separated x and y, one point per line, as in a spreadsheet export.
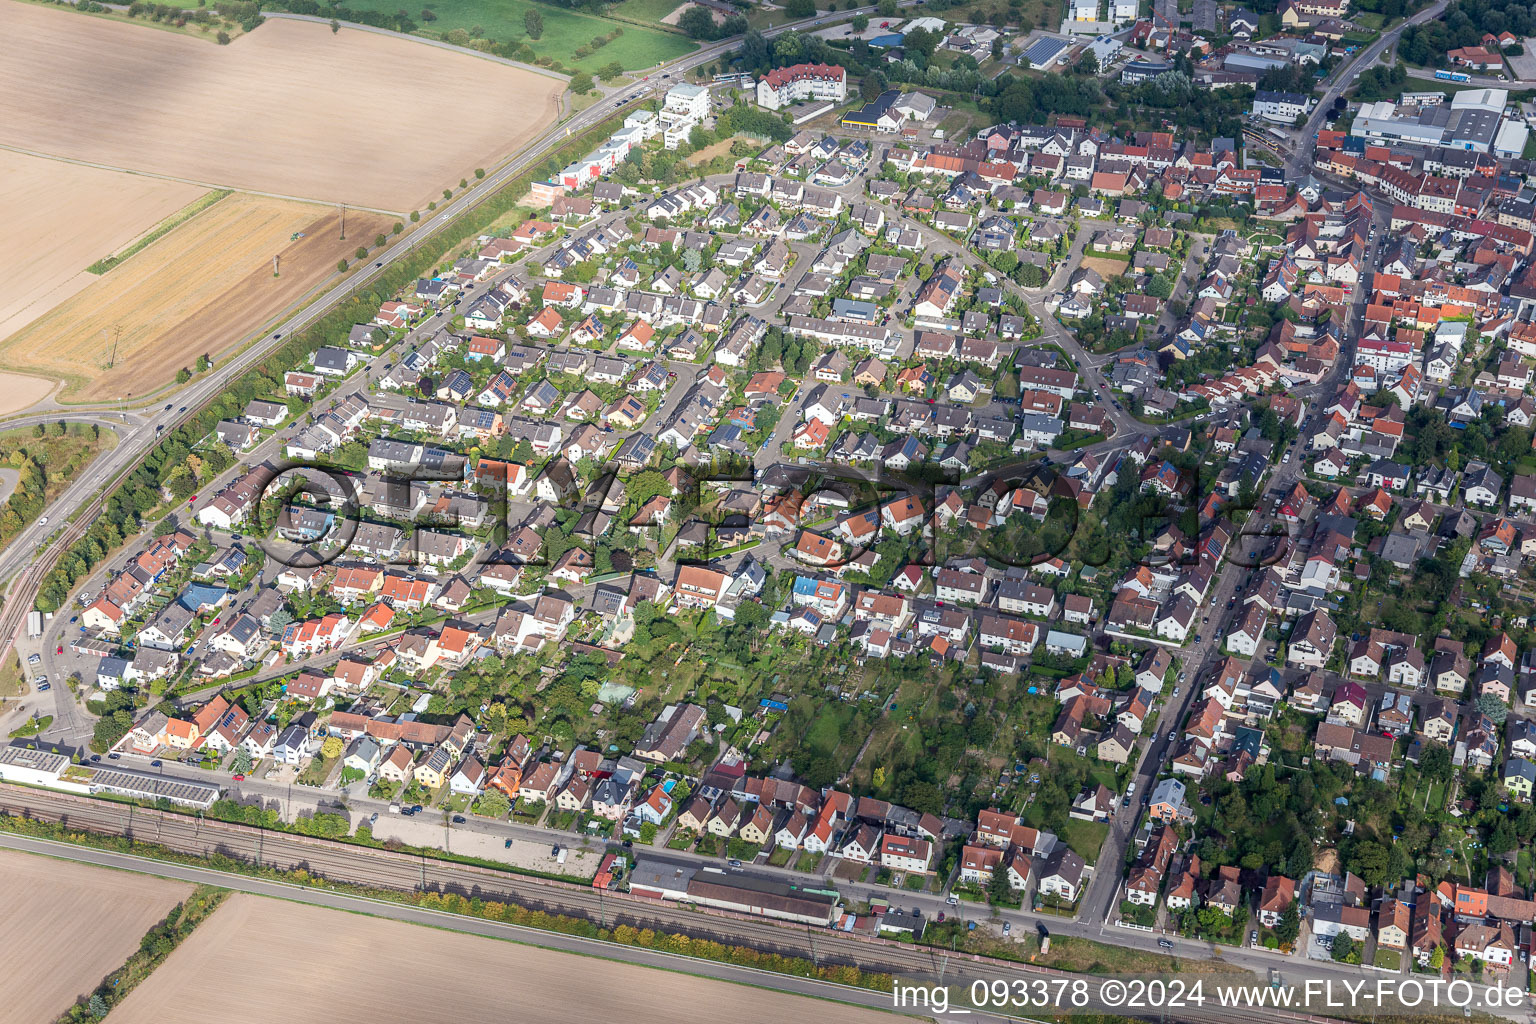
734	890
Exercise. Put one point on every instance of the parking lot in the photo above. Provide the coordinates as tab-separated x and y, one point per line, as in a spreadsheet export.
432	827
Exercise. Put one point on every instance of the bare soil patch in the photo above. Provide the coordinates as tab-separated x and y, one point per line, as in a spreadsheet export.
66	926
440	976
1107	268
291	109
19	392
61	217
201	289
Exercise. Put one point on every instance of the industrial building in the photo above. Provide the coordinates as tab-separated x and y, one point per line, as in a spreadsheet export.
1471	121
34	763
736	891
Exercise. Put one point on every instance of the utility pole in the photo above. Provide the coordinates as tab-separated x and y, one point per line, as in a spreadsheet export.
343	222
274	264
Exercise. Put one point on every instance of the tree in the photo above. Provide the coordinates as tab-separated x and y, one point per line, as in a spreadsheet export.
332	747
999	892
183	375
697	22
1490	705
608	72
533	23
362	252
1437	956
1369	861
860	23
242	763
581	83
1435	762
342	264
798	9
335	26
1344	950
921	42
887	8
1289	926
380	240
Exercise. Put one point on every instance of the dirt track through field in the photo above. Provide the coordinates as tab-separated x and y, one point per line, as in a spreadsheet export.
65	926
328	967
198	290
290	109
59	219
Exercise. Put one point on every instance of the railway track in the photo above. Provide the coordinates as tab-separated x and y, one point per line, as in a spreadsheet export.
404	872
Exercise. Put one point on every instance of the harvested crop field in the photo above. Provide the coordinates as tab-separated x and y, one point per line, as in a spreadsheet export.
19	391
290	109
220	263
60	218
441	976
66	926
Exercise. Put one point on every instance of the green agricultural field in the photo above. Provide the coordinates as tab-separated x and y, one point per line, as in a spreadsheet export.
564	31
645	10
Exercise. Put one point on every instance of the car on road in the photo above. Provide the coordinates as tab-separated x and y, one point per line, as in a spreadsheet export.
114	757
95	757
167	407
373	817
941	917
60	649
155	763
507	845
458	819
1165	943
239	778
43	521
952	900
33	659
734	862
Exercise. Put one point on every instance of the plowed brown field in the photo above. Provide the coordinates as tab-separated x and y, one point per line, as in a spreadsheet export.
201	289
289	109
329	967
65	926
60	218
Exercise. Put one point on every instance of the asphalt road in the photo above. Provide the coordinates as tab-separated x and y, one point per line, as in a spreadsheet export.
1344	79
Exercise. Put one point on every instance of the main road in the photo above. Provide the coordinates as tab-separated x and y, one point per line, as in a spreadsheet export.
1343	78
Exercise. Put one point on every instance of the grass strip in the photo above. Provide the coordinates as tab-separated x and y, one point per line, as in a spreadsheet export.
160	230
158	943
